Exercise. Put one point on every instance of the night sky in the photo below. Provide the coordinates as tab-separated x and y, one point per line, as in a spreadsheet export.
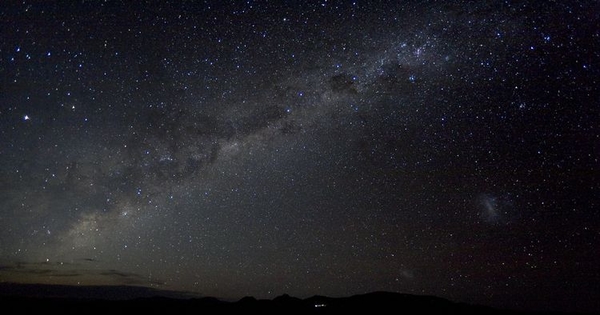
446	148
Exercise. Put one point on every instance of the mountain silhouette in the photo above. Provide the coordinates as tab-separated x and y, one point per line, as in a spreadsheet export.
35	299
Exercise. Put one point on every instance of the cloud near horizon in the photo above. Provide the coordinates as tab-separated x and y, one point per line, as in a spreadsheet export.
70	273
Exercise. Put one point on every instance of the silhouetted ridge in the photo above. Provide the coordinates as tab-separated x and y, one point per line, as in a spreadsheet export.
286	299
247	300
29	300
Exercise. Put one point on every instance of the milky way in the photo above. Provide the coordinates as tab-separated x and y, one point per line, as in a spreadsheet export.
319	148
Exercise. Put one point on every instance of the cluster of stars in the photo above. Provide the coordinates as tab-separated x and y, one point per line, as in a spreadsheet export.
315	148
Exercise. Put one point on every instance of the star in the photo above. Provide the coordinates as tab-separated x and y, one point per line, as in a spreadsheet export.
415	146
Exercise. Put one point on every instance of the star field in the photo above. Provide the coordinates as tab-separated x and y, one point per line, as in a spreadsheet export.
323	147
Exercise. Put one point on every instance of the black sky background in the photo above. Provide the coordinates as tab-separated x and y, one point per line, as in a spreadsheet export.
316	147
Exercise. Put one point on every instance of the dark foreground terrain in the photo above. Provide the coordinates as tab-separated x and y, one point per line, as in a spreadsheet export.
33	299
